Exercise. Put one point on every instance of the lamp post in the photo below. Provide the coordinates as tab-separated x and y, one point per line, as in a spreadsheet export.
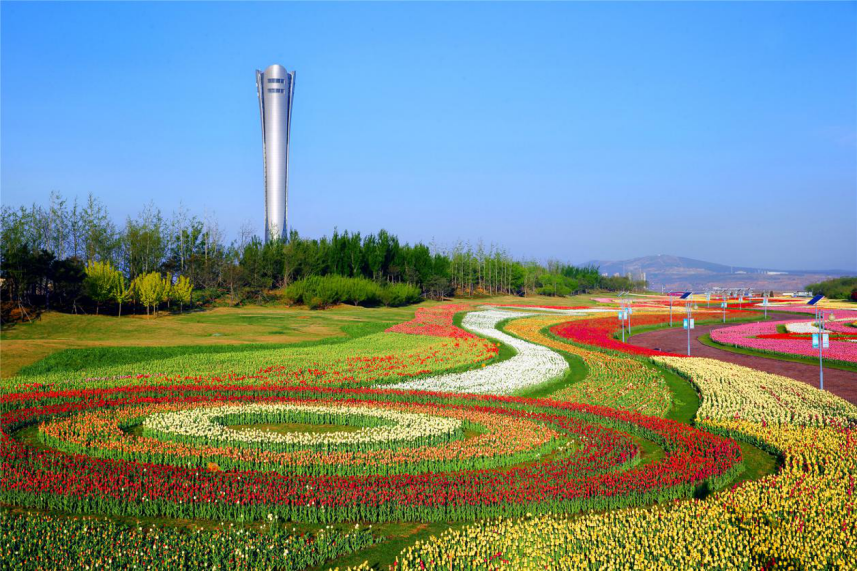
622	321
628	311
723	305
671	310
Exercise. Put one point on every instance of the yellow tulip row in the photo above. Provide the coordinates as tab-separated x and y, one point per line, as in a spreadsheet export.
735	392
804	517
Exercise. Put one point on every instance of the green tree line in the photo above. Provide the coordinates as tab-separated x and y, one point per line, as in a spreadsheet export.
836	288
46	251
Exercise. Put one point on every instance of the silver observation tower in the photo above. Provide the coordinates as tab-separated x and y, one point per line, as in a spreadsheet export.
276	88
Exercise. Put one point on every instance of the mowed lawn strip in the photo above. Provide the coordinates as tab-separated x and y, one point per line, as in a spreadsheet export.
24	344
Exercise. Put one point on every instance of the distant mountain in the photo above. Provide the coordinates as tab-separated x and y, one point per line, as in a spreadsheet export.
676	272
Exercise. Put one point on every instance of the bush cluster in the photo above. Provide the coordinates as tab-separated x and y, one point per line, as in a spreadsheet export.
318	292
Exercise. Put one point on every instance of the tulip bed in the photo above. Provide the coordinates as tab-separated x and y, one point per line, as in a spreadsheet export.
382	427
765	337
801	518
614	379
492	440
49	542
601	472
532	365
435	321
735	392
848	330
599	332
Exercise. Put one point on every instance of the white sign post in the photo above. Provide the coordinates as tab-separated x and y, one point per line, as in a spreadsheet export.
824	344
688	325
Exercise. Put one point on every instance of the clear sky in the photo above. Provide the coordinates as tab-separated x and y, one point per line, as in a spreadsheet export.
720	131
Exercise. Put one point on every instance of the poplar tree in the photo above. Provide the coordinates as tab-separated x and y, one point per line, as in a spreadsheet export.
99	282
182	291
120	292
149	289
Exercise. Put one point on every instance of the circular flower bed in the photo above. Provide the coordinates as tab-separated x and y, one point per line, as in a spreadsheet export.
602	471
487	440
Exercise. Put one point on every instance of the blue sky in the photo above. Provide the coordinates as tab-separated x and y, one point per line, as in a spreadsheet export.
720	131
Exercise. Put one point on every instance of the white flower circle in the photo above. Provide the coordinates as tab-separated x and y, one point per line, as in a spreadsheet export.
391	427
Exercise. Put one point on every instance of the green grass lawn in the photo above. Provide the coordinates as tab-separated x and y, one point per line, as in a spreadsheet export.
133	338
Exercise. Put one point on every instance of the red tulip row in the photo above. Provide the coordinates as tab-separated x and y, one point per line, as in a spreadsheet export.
47	478
599	332
434	321
522	306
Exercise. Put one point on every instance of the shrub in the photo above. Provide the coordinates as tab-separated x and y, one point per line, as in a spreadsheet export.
395	295
322	291
318	292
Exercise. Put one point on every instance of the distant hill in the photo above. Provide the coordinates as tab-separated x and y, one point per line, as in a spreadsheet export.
675	272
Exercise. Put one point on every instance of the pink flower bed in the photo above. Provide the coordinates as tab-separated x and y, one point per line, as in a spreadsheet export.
434	321
839	313
746	335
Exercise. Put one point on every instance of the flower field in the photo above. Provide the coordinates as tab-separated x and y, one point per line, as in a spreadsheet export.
766	337
808	327
47	542
614	380
599	331
435	321
801	518
279	459
595	473
532	365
